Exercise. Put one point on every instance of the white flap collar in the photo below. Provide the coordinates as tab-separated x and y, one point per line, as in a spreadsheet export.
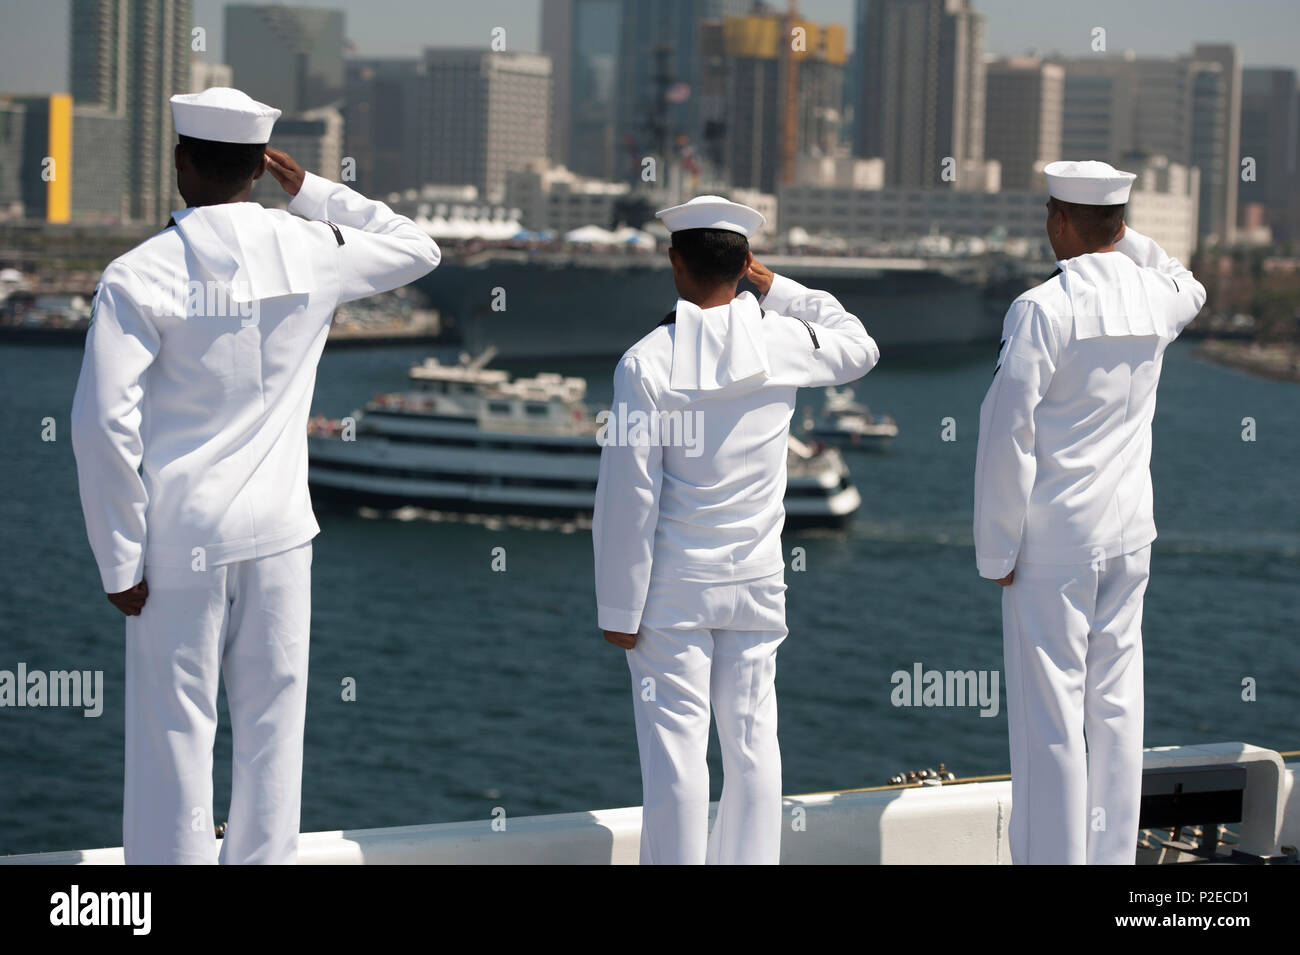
1108	297
718	347
238	245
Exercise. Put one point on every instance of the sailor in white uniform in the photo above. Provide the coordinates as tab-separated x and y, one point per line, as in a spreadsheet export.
1063	516
190	432
687	527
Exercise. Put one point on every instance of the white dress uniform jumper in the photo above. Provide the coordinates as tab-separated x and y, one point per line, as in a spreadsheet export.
1063	497
688	553
189	427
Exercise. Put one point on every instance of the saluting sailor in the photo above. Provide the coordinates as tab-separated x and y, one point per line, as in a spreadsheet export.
190	432
687	527
1063	516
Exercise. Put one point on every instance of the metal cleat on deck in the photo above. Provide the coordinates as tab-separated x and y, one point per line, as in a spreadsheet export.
1191	795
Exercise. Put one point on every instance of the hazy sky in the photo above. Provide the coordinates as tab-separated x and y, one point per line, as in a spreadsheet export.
34	33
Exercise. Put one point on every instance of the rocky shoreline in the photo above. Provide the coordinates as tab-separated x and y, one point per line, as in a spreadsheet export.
1280	362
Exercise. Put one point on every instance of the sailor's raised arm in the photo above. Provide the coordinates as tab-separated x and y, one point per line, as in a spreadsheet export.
1005	466
627	501
379	250
1187	295
829	346
106	416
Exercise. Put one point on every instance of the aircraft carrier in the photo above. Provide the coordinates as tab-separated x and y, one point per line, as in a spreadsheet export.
572	303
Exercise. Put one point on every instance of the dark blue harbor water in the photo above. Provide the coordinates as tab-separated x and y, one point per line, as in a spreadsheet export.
478	689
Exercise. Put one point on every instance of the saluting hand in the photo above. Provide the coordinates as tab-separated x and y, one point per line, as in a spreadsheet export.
760	275
286	172
625	640
131	602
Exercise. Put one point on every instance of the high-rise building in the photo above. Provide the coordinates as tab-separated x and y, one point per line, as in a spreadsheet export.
129	57
1023	113
1163	202
853	77
381	122
921	106
483	114
205	74
769	100
556	32
1216	137
1186	108
287	57
1270	138
12	116
63	162
45	165
1097	119
582	39
99	64
100	153
314	138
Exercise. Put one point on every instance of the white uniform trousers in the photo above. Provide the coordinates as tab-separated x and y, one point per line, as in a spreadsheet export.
249	622
708	648
1073	654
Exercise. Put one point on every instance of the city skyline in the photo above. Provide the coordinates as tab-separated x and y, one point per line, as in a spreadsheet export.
801	133
1163	29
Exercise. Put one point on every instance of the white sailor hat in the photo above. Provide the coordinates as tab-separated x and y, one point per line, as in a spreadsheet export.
1089	183
712	212
223	115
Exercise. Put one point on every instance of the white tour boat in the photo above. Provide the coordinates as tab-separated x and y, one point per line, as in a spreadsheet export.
466	438
846	423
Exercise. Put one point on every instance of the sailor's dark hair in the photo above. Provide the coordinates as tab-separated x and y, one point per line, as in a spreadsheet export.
1096	225
712	255
224	163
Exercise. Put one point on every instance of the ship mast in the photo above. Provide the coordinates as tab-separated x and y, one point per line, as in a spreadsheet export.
661	133
789	113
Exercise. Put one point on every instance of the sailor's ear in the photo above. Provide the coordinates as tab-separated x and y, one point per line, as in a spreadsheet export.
261	168
1056	219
